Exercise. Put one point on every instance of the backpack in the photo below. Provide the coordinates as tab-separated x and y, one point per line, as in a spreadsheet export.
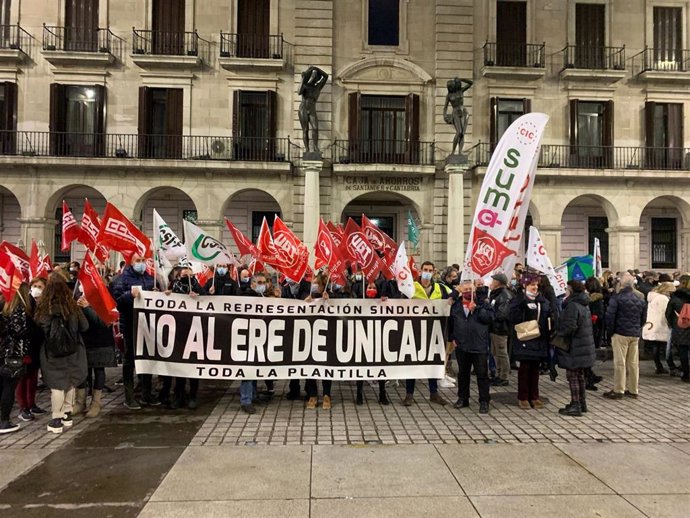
684	317
59	340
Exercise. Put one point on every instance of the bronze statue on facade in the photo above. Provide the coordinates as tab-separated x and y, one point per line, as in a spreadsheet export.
313	81
460	117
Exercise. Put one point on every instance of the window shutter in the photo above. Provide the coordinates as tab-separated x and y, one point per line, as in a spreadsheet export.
173	122
354	124
99	125
493	122
573	123
272	121
57	119
412	128
608	124
144	126
649	108
9	118
526	105
236	113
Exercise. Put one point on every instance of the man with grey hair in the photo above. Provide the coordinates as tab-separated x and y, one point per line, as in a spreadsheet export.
625	317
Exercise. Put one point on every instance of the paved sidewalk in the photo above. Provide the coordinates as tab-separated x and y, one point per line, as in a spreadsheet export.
464	480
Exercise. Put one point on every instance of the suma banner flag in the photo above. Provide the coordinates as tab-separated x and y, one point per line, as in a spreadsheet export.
537	259
70	228
118	233
598	269
254	338
503	202
204	248
403	273
96	292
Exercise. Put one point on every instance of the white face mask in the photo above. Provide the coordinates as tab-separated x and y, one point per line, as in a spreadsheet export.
36	291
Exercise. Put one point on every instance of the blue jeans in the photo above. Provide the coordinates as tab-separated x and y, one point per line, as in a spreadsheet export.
247	392
433	386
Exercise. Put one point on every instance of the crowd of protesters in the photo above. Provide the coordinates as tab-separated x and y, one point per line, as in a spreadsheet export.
494	324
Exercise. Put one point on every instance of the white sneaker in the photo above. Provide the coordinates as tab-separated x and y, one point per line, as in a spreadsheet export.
444	383
450	379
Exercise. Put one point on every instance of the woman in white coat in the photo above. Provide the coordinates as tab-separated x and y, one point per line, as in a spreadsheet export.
656	331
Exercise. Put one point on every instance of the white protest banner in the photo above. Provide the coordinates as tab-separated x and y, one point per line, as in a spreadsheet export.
272	338
537	259
503	201
598	270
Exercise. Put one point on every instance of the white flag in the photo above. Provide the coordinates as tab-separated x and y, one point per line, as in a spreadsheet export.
165	240
598	270
402	272
537	259
503	202
204	248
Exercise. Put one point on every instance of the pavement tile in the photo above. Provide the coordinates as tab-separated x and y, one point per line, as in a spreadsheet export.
17	461
634	468
570	506
262	472
411	470
493	469
661	506
455	506
223	509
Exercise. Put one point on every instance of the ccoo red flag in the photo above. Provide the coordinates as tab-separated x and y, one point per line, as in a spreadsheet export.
118	233
96	293
90	225
70	228
293	255
38	266
244	245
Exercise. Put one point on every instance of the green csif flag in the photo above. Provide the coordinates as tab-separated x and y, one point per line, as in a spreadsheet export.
412	230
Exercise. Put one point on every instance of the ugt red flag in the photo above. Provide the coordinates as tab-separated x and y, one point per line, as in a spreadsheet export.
19	258
360	250
96	293
9	281
38	266
328	254
118	233
70	227
90	225
293	254
267	249
244	245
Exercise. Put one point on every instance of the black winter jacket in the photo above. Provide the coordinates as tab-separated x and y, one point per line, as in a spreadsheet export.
575	323
521	310
222	285
626	314
678	298
121	290
301	293
471	332
500	301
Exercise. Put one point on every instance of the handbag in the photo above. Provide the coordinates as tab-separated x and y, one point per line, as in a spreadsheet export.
529	330
13	367
561	342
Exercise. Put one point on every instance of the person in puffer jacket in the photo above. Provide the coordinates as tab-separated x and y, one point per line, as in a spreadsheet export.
575	325
656	331
680	337
625	317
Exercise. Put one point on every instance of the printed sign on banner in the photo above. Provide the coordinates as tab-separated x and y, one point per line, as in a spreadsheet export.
267	338
538	259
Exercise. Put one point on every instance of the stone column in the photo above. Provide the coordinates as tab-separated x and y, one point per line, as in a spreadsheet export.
683	263
312	201
455	237
551	237
40	229
624	247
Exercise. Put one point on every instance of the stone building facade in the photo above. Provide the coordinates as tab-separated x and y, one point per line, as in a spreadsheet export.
191	107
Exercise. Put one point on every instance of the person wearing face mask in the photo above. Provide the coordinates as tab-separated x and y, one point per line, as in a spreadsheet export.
468	326
357	283
125	289
25	393
529	305
318	291
296	291
244	288
427	289
221	283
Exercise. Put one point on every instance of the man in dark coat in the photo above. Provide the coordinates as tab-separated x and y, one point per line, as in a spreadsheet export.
221	283
575	328
469	331
625	317
500	297
680	337
127	287
296	291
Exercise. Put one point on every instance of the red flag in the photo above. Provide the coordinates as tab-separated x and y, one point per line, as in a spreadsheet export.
38	266
377	237
118	233
19	258
360	250
255	266
413	267
328	254
96	293
9	280
267	249
244	245
90	225
292	253
70	227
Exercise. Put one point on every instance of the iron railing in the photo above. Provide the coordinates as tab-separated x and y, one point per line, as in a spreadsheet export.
598	157
14	37
383	152
594	58
77	39
665	60
180	147
531	55
252	46
165	43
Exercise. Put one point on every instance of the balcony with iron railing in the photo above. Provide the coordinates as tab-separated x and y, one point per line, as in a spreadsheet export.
160	48
387	152
134	146
593	63
599	157
667	64
254	50
14	43
78	45
514	60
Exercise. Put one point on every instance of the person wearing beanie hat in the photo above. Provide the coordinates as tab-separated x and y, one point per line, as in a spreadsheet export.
527	306
500	297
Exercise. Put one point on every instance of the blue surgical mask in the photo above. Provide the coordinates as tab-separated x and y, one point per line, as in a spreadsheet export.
260	289
139	267
426	276
244	280
221	271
